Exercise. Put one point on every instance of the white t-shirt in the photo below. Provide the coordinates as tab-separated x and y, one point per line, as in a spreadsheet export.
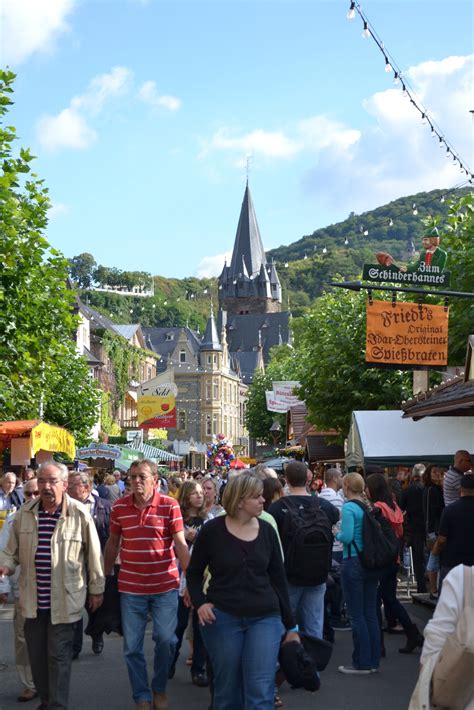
337	501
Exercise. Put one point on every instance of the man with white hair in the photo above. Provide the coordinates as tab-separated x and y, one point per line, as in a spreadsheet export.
10	496
54	540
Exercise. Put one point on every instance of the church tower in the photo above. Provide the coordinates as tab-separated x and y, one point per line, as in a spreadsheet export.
249	285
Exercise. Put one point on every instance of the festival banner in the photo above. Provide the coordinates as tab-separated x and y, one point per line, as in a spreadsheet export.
274	405
283	392
156	405
406	335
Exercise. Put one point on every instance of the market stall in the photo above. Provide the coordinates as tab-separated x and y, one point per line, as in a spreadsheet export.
33	438
384	438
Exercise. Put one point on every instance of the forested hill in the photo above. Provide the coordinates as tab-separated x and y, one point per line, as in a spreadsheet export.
306	267
390	226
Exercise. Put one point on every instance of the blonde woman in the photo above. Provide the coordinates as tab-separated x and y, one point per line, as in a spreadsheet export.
246	601
359	585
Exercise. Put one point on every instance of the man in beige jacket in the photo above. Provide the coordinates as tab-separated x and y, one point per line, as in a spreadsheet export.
54	540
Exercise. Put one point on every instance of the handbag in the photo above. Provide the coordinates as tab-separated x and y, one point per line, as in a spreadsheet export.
453	676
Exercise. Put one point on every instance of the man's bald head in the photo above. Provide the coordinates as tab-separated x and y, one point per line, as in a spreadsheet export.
462	461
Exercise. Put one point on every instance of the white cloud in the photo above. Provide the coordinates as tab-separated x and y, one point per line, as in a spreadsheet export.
70	127
270	144
212	265
396	155
30	26
57	209
148	94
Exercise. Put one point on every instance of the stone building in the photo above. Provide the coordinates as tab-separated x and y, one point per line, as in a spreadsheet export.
250	299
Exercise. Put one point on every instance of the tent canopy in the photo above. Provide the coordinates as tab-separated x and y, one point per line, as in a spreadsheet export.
384	438
152	452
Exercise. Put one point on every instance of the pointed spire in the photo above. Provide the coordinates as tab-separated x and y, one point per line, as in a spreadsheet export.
248	244
210	339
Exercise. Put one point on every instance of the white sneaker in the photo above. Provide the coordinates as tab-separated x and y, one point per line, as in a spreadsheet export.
353	671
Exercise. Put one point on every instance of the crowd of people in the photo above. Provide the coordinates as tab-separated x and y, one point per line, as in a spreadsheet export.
244	569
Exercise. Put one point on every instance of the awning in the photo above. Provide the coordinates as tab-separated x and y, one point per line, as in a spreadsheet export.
42	436
151	452
384	438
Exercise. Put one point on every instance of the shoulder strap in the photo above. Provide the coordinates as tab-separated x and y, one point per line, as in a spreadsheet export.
467	587
360	504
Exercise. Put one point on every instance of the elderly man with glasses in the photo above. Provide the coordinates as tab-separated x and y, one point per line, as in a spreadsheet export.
146	527
54	540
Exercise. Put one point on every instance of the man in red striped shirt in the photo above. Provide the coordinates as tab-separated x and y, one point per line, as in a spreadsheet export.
146	528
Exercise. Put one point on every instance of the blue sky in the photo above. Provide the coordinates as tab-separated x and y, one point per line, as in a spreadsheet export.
142	114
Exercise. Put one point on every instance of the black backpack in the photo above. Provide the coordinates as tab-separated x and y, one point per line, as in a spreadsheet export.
381	546
306	536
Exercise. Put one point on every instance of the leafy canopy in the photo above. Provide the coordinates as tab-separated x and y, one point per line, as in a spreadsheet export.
40	370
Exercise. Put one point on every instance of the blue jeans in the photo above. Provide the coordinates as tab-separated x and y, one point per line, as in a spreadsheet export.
359	587
307	605
244	653
163	609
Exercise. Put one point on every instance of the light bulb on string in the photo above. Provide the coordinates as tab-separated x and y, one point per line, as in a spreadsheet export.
396	78
423	119
442	199
325	251
346	241
351	14
388	66
390	223
365	31
404	90
366	232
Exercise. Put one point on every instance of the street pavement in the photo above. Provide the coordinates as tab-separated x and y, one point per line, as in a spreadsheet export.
101	681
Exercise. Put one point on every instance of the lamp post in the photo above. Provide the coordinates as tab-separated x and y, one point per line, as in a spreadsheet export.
275	431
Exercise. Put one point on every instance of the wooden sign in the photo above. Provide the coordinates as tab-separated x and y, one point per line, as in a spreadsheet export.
406	335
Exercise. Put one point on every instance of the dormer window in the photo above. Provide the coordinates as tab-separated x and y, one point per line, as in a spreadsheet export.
182	355
169	336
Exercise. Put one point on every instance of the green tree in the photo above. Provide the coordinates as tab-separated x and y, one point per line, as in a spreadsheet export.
457	237
81	269
39	366
330	348
283	365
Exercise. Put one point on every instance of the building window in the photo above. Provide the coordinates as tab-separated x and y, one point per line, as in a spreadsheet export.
169	336
208	390
182	419
182	355
216	390
225	424
208	425
224	393
214	423
209	359
215	359
149	373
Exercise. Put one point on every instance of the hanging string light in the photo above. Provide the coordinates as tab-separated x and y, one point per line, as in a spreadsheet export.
390	65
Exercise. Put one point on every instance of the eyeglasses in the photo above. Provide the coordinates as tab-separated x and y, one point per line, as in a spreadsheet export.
51	481
136	477
30	494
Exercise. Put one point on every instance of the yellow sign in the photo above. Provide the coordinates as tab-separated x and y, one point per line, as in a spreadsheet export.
406	335
52	438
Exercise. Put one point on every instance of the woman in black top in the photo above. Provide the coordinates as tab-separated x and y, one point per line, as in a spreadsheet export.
433	506
191	502
246	599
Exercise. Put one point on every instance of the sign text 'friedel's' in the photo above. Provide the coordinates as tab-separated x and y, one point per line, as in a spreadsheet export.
406	335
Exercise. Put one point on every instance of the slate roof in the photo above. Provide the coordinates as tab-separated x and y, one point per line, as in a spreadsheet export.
91	359
127	331
210	340
97	320
243	331
245	364
156	340
248	245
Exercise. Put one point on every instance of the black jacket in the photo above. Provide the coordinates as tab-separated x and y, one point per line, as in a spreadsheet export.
412	504
101	519
433	505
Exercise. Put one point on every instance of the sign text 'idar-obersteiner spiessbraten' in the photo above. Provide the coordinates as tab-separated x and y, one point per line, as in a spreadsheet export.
406	335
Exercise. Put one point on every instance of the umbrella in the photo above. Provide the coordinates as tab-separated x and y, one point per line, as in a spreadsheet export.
237	463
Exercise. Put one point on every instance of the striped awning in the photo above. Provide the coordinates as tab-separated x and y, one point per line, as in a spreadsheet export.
152	452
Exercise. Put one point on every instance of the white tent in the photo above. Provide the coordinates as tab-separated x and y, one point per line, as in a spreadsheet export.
384	438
